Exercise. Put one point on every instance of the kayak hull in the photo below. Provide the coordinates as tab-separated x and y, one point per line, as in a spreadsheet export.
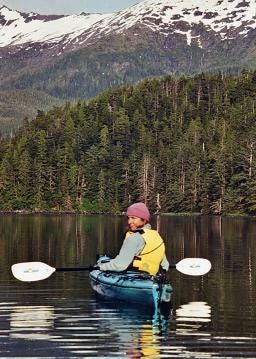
131	287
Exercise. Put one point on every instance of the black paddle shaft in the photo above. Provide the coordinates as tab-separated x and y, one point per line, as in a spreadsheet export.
172	266
77	269
90	268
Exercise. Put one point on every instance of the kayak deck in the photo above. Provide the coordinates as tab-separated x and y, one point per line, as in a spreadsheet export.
131	287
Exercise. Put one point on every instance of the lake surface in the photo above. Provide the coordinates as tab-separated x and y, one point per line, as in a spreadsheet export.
213	316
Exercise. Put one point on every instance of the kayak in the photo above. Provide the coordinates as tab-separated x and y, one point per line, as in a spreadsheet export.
131	286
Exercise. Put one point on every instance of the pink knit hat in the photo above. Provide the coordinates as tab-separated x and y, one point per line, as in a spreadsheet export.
138	210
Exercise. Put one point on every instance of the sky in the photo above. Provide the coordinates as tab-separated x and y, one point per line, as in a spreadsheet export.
62	7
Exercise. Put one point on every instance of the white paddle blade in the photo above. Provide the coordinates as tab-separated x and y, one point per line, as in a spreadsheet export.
194	266
32	271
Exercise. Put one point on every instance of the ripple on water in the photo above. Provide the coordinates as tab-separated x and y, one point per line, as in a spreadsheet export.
40	324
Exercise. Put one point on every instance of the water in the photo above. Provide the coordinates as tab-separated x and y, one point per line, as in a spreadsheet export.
212	317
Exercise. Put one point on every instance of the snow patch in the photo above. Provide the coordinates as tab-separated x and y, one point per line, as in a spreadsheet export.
20	31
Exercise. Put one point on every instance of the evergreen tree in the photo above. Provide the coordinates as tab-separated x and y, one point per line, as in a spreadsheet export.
179	144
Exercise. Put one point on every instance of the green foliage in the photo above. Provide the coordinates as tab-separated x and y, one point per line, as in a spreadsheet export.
179	144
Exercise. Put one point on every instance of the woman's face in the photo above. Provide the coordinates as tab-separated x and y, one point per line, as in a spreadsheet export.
135	223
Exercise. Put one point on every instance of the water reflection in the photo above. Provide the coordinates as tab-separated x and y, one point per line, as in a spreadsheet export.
31	322
194	312
88	328
214	316
141	333
190	318
98	328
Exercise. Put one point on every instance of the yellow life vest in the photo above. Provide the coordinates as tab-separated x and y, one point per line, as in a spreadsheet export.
152	254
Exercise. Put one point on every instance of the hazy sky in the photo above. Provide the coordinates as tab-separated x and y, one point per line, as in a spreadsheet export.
68	6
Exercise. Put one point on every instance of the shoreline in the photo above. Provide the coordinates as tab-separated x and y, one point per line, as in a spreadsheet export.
25	212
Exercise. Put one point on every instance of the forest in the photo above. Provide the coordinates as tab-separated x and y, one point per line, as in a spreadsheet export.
180	144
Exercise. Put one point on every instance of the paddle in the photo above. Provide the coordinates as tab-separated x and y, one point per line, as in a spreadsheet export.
33	271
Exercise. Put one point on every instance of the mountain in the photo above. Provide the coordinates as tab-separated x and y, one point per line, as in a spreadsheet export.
78	56
224	19
17	105
22	31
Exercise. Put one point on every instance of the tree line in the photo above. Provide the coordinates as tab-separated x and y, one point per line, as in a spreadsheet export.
182	144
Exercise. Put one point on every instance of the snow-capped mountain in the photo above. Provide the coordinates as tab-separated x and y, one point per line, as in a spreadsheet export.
225	18
20	28
80	55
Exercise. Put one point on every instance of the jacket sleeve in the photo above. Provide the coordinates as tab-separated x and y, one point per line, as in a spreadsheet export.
131	247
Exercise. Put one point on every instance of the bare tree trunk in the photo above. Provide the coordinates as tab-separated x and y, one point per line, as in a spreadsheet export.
209	98
145	176
81	186
223	135
199	94
158	204
182	177
250	159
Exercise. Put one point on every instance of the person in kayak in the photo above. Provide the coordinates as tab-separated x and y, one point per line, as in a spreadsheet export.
143	248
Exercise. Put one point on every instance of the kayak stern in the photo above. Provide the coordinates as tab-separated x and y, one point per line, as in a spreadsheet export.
129	286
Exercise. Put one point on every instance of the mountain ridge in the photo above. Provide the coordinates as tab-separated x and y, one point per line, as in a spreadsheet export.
228	18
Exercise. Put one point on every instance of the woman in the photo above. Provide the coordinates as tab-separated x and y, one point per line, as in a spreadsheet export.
143	248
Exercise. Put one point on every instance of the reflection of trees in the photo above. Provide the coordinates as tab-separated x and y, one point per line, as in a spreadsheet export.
59	240
76	240
233	286
230	245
